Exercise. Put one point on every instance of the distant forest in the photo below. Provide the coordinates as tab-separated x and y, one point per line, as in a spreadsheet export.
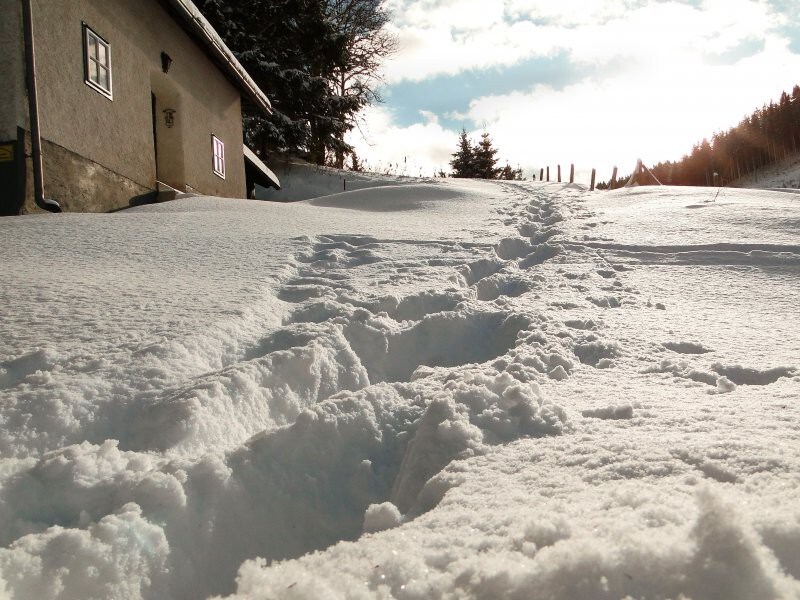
770	134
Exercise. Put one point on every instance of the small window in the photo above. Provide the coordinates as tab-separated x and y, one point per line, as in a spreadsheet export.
96	62
218	156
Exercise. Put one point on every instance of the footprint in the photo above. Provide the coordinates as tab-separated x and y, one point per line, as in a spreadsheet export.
542	253
512	248
491	288
16	370
747	376
447	339
594	352
473	272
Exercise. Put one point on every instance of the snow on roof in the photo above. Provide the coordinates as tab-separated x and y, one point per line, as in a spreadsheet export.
256	162
202	31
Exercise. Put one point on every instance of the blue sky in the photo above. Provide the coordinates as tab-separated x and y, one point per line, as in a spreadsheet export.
595	83
448	96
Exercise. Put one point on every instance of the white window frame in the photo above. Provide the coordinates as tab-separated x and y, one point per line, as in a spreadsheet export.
217	156
92	61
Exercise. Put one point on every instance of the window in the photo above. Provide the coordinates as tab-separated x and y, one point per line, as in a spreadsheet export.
218	156
97	62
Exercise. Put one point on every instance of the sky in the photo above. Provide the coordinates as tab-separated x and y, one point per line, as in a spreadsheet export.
596	84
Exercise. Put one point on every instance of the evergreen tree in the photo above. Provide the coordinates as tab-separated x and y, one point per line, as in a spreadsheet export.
768	135
510	174
485	160
314	60
463	163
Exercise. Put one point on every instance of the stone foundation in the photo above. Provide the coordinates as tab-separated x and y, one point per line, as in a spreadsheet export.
82	185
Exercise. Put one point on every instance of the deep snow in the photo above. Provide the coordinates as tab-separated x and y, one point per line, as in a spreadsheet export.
449	389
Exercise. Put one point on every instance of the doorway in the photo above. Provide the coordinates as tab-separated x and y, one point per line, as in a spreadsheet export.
166	114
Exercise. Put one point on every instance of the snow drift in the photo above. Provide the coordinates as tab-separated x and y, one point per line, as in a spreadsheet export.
434	390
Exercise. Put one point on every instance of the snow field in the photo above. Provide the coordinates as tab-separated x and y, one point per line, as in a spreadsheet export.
452	390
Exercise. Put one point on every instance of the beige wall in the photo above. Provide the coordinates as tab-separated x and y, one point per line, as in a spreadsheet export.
118	134
13	100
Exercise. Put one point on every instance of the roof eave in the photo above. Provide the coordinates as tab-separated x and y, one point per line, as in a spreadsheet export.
202	32
269	179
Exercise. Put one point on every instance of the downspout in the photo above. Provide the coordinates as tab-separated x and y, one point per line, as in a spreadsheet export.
33	112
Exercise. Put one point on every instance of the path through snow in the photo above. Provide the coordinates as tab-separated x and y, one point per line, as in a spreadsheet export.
453	389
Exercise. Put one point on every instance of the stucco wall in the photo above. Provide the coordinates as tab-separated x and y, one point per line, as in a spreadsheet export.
13	111
118	134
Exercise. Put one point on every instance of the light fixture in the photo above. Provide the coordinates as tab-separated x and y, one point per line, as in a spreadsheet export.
166	62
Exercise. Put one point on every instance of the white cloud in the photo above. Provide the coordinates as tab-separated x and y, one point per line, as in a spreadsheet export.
457	14
419	150
655	115
441	50
568	12
450	36
668	33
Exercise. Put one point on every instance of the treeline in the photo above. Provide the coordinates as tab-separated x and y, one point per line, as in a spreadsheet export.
479	160
770	134
317	60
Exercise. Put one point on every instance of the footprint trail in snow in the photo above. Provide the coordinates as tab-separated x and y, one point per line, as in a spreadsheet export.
559	396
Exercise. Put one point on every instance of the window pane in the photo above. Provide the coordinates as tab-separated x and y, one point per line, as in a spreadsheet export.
92	45
93	71
102	54
102	78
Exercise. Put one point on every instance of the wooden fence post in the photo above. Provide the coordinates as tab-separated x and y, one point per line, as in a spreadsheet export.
594	173
613	183
548	174
572	173
541	174
559	173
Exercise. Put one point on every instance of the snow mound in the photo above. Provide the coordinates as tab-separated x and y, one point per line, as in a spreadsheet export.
390	198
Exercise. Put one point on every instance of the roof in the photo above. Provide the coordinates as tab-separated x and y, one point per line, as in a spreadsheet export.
261	173
201	31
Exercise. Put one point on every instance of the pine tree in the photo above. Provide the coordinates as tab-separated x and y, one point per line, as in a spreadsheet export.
510	174
463	163
315	61
485	160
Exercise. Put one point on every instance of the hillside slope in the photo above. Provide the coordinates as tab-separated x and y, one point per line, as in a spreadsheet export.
784	174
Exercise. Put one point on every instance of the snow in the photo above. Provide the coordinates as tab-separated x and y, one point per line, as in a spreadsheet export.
301	180
439	389
783	175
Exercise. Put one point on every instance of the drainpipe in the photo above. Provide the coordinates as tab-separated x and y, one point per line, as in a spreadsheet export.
33	112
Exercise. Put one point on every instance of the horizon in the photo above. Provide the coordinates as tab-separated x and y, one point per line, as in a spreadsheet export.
597	86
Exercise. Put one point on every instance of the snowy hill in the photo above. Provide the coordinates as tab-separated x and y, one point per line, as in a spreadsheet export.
784	174
301	180
449	389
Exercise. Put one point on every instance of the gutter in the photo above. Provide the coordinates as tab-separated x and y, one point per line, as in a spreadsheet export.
33	113
202	30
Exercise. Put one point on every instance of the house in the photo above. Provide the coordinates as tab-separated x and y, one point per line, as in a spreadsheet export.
127	99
